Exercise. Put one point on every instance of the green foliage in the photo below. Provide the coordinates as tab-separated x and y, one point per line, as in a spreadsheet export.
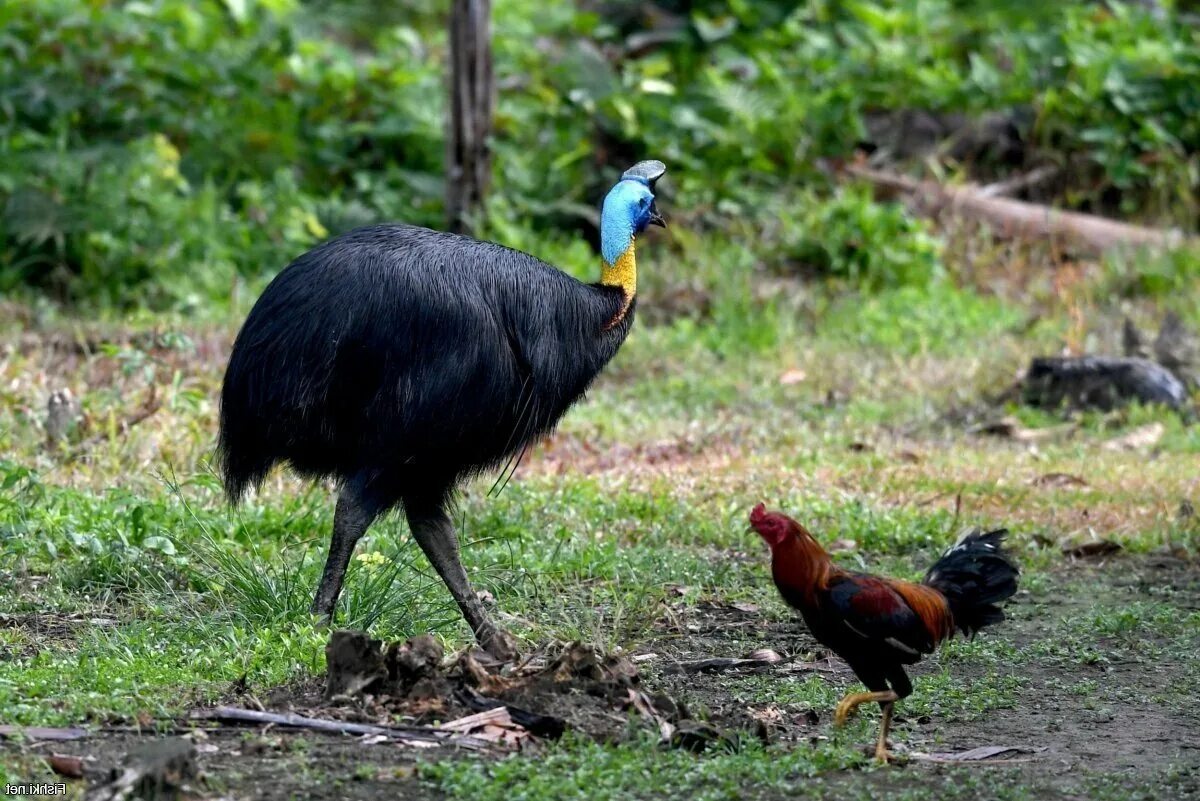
162	153
915	319
177	146
580	769
871	244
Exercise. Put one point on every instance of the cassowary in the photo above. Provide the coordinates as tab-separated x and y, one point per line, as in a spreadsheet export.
400	360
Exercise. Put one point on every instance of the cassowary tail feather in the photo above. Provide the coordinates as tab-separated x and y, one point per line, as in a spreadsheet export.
976	575
243	457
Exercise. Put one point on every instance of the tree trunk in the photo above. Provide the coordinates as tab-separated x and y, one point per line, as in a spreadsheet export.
472	100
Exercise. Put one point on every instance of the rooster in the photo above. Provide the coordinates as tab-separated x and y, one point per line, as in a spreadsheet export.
878	625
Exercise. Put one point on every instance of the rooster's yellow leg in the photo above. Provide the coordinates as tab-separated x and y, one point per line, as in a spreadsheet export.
885	725
854	700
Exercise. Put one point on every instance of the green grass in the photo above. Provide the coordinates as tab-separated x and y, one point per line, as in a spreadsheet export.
631	516
578	769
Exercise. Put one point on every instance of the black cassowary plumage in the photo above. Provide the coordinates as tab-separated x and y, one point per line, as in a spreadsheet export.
975	574
399	360
415	356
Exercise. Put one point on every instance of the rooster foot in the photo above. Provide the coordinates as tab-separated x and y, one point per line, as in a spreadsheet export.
854	700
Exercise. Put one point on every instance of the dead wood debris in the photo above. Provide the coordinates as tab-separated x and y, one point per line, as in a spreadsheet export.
43	733
416	736
984	753
371	683
1007	217
1100	382
758	660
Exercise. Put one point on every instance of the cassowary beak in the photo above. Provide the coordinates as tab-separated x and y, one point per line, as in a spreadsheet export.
656	218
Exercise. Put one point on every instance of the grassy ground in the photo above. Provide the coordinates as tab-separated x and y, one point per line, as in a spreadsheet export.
130	593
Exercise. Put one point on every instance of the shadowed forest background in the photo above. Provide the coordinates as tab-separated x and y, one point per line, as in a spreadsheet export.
806	335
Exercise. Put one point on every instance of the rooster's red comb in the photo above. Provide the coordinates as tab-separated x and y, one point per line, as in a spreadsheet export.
758	514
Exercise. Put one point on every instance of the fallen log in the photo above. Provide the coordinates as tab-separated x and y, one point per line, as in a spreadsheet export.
408	735
1017	218
42	733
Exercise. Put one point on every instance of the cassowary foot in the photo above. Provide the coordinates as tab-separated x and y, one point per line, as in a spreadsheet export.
854	700
497	642
323	606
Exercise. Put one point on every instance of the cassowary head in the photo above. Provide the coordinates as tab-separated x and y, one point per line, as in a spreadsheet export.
629	208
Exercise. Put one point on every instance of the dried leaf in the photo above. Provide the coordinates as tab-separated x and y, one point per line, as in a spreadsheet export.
769	715
842	546
476	674
66	765
1058	480
1094	548
645	707
743	606
1011	428
1142	437
765	655
790	377
909	457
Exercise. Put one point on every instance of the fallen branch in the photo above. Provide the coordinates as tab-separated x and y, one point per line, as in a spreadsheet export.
416	736
547	726
1010	186
497	716
1017	218
985	753
42	733
150	404
723	663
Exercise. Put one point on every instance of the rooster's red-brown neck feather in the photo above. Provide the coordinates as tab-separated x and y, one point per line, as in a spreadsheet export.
800	567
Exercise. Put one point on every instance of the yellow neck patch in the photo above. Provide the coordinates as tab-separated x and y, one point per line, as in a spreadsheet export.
623	275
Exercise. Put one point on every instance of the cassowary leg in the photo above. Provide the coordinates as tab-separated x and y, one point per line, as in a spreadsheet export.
351	519
434	532
854	700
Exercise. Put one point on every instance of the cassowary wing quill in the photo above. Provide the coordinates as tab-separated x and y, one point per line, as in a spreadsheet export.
400	360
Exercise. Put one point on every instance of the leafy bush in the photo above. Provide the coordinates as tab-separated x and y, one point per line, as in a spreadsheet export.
871	244
159	152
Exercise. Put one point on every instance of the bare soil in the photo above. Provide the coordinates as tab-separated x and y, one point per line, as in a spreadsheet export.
1135	735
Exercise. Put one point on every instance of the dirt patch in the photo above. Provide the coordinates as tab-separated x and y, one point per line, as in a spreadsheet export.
40	631
1116	716
562	453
